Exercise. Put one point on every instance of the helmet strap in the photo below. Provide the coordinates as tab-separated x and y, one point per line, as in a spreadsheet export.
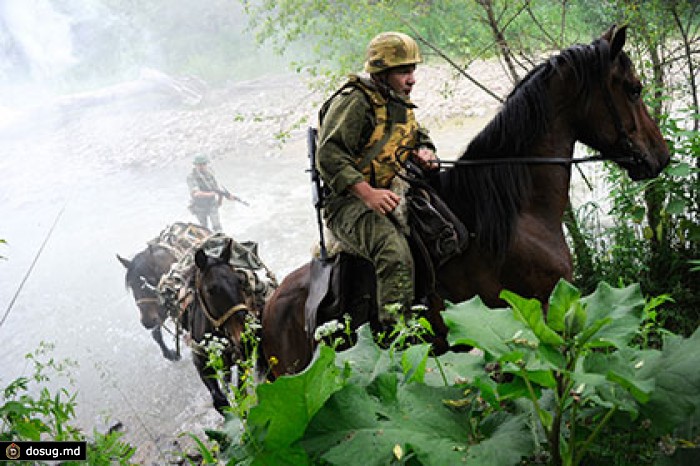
381	79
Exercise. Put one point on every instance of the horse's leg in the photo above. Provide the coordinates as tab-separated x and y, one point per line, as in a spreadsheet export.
208	378
538	258
168	354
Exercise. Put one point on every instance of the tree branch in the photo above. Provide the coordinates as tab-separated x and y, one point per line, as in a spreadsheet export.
450	61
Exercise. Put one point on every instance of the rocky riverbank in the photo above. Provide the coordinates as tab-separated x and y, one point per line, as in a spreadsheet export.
256	116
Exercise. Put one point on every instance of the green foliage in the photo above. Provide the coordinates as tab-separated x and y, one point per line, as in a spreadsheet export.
28	416
654	233
554	388
660	258
336	33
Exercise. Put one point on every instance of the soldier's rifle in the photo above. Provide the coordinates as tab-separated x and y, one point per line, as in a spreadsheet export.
228	195
316	188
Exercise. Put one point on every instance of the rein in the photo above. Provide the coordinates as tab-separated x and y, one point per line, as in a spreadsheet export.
534	160
147	300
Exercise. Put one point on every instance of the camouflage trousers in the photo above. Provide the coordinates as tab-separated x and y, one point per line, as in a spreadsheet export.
203	217
376	238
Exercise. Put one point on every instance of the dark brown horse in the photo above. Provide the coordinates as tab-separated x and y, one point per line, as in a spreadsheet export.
143	273
222	302
587	93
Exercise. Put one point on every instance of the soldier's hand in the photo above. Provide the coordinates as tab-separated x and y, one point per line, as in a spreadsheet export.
382	201
426	158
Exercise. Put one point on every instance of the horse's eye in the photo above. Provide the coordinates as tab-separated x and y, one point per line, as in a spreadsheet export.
634	91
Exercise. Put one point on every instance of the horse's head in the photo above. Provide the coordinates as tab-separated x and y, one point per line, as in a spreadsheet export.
619	125
143	273
221	293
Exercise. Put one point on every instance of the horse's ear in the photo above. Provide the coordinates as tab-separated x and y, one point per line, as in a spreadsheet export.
200	258
126	263
608	35
617	40
226	252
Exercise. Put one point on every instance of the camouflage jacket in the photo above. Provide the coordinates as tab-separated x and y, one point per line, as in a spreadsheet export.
353	120
202	181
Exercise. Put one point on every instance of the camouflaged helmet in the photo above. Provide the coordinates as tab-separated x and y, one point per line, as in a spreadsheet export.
391	49
200	159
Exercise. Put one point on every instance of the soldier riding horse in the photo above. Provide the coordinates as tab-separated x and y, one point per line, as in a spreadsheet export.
514	203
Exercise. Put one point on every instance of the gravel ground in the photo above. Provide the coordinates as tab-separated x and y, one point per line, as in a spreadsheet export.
158	129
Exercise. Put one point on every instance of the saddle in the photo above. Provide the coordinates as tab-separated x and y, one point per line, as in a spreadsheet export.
343	284
175	290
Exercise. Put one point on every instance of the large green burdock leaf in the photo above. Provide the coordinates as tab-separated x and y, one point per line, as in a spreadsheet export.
622	368
365	359
613	379
622	306
286	406
371	425
676	371
414	362
473	323
662	386
562	299
456	368
529	311
501	429
507	338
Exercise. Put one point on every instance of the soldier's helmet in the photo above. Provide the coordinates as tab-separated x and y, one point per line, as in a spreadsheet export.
389	50
200	159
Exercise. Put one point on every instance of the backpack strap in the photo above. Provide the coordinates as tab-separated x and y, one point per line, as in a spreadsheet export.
362	84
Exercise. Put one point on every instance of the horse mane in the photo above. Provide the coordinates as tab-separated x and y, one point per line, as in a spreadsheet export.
488	198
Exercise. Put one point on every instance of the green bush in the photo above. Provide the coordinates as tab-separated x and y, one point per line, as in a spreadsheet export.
30	411
556	389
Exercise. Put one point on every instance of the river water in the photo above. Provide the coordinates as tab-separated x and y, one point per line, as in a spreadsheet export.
75	297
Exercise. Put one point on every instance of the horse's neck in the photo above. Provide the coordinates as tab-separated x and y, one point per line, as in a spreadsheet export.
165	259
550	182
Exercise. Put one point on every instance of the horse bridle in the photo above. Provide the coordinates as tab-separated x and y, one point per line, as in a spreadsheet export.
233	310
623	138
147	286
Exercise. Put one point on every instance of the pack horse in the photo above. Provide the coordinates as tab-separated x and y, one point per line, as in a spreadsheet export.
145	270
217	293
211	286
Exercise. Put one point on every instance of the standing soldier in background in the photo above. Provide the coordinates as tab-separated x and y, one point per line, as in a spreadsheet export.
205	193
